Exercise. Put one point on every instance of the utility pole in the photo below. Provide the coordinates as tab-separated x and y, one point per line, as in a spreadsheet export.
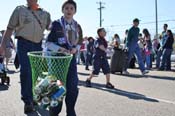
156	18
100	9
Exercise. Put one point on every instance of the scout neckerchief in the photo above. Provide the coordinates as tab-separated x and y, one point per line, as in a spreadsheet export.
70	31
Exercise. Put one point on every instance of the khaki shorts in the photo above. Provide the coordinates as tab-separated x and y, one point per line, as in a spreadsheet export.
8	52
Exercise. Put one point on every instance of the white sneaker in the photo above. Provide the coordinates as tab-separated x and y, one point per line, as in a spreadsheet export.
125	72
145	72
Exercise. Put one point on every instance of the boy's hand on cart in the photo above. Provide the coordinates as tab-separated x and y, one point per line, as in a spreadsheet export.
73	51
63	50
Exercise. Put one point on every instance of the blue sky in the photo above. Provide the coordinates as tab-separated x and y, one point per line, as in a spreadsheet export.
117	14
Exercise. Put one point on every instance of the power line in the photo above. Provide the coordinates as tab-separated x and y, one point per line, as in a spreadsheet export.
150	22
156	17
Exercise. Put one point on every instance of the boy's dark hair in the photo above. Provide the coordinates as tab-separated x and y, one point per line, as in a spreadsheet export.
70	2
140	34
136	20
146	32
99	30
166	25
116	36
89	38
171	34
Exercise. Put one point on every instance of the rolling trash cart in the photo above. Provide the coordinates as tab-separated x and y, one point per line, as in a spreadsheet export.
118	60
3	72
49	75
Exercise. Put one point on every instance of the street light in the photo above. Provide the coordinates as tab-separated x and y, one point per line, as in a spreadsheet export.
100	9
156	18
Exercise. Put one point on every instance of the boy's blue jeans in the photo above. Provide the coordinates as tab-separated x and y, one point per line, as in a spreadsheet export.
23	47
72	91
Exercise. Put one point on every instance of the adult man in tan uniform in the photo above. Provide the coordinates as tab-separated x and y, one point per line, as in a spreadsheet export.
29	23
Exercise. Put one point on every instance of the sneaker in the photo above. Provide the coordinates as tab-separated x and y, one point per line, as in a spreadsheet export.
145	72
28	108
88	83
86	68
109	85
125	72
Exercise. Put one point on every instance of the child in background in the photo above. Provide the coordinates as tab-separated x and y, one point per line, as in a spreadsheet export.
116	41
100	59
90	52
147	48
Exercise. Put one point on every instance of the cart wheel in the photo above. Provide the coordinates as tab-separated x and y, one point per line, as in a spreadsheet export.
8	80
2	80
112	72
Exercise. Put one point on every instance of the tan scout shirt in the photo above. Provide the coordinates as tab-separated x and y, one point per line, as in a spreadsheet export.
26	25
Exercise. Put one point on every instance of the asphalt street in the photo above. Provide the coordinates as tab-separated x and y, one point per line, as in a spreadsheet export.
134	95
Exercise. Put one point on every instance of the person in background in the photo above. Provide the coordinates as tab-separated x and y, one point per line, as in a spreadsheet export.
133	58
147	48
167	51
126	34
83	50
155	45
8	51
141	44
90	52
133	47
116	41
29	22
65	35
79	45
100	59
162	42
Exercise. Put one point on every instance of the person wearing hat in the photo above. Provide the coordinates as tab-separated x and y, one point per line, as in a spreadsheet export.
29	23
133	48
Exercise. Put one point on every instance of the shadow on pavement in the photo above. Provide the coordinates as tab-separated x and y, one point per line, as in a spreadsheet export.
39	112
11	72
162	77
84	74
134	75
130	75
131	95
171	78
3	87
